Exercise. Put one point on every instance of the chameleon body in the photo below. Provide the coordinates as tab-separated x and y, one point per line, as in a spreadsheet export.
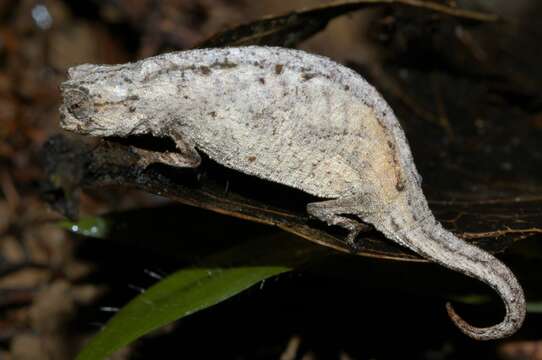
293	118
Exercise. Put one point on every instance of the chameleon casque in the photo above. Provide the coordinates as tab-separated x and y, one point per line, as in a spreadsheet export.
293	118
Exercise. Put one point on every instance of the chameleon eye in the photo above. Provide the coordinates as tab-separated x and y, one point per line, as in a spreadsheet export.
77	102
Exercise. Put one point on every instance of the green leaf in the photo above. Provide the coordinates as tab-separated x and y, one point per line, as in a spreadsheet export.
96	227
176	296
534	307
472	299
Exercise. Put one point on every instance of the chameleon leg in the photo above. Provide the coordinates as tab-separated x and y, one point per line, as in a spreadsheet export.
186	150
147	157
185	155
329	211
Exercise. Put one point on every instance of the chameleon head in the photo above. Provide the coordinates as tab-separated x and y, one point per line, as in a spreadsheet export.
96	105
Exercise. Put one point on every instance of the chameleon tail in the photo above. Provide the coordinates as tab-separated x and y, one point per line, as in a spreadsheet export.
435	243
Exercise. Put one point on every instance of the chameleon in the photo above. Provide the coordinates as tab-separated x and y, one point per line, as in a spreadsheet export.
294	118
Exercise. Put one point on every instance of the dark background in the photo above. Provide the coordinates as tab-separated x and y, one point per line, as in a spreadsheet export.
467	95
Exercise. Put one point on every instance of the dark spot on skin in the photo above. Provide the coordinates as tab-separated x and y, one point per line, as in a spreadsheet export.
346	87
307	76
390	145
213	114
400	185
226	64
169	69
262	80
205	70
251	158
395	226
132	109
278	69
186	96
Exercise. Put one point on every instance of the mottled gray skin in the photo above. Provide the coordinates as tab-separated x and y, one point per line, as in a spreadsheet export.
293	118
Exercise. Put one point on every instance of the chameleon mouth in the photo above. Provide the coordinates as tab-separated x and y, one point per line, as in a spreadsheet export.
64	117
146	142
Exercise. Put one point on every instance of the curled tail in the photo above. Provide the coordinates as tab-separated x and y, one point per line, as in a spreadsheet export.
435	243
506	285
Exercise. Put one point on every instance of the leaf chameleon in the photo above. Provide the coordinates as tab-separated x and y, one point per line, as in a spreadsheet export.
293	118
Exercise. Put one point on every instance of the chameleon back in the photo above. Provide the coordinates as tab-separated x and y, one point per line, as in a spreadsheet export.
279	114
